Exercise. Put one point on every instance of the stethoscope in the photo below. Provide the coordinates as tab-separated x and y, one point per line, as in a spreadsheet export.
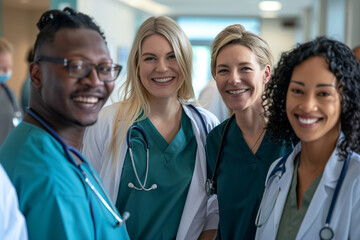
326	232
210	185
147	146
130	145
17	115
67	150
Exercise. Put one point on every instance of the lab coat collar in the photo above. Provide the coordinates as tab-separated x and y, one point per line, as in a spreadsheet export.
196	193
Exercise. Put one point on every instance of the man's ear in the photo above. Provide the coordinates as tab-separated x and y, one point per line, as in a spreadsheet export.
35	74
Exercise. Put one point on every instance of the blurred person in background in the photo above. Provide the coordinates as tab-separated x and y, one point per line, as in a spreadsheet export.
356	51
211	100
10	114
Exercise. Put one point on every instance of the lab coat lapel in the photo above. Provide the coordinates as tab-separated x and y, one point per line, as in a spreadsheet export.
322	195
284	183
196	194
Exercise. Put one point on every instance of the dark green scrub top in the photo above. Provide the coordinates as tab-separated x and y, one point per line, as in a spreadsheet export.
156	214
240	179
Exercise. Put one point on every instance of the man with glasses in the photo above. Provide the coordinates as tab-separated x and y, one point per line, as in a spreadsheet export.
60	194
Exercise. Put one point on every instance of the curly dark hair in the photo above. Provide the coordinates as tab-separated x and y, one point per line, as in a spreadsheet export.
52	21
343	64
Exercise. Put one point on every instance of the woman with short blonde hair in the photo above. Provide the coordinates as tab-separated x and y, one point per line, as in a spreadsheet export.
239	151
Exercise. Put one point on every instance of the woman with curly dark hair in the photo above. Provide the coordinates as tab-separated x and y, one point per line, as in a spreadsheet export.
314	99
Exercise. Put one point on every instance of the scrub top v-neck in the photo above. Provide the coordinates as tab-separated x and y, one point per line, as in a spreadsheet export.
240	179
156	214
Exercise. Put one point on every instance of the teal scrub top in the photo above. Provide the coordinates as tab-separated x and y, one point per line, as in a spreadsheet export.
240	179
53	196
156	214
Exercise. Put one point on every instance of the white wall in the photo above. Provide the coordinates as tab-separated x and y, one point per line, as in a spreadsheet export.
338	19
119	23
278	37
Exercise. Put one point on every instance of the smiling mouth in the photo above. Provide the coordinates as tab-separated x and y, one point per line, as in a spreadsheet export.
237	91
87	100
307	121
162	80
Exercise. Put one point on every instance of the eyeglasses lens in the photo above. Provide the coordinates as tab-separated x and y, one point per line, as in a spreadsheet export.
106	71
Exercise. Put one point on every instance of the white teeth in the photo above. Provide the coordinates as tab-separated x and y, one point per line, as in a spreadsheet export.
162	80
307	120
86	99
237	91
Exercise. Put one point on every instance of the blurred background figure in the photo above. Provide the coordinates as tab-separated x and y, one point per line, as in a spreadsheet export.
356	51
211	100
25	89
10	114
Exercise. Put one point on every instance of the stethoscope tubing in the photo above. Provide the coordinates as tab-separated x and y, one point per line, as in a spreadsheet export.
326	230
17	116
67	149
211	186
130	146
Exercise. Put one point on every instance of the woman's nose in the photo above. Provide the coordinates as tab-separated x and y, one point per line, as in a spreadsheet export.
308	103
161	65
234	77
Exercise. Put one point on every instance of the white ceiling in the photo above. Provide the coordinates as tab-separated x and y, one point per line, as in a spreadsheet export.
233	8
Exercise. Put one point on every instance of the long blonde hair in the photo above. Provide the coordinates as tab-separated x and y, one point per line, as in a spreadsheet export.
134	100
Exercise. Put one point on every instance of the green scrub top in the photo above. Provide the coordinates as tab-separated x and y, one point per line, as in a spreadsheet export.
240	179
156	214
292	217
53	196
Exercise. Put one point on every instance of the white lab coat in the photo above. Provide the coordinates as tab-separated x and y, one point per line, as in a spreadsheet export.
200	213
346	215
12	222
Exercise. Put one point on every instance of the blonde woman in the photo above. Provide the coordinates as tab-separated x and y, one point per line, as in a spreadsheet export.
241	64
164	189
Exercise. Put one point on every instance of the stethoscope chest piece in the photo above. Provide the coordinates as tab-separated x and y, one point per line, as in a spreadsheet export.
326	233
17	117
209	187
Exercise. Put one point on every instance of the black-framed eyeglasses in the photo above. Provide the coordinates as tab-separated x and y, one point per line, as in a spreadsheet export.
81	68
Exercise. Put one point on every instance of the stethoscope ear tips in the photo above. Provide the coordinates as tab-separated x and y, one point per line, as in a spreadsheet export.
131	185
